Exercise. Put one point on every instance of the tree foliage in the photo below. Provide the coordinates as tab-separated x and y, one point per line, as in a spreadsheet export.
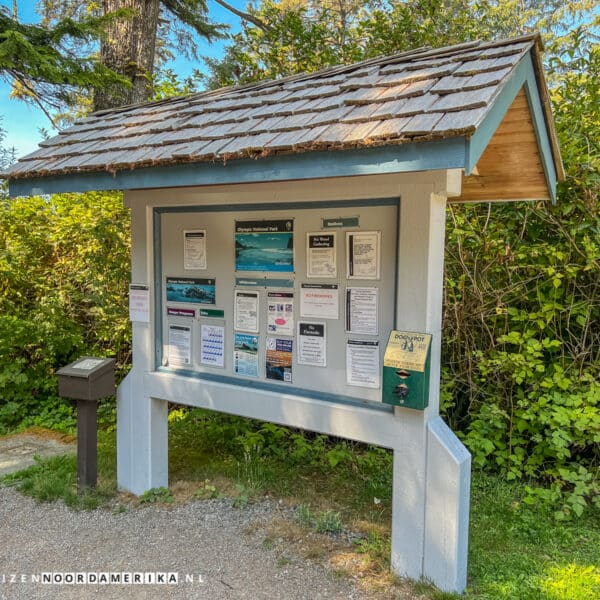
40	62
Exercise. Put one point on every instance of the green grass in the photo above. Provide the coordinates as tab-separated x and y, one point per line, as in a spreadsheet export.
517	552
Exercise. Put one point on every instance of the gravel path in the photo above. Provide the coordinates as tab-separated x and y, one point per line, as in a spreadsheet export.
217	552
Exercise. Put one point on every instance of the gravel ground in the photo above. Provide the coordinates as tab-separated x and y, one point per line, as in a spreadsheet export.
209	544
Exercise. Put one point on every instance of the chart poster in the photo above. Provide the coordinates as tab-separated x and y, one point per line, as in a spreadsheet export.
361	310
245	354
280	313
363	251
279	359
321	259
139	303
264	245
362	363
320	301
312	345
196	291
246	311
194	249
212	345
180	345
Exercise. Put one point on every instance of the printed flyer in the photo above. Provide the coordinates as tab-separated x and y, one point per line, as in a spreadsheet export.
279	359
321	255
245	355
362	253
180	345
312	344
319	300
362	363
212	345
194	249
280	313
245	311
361	310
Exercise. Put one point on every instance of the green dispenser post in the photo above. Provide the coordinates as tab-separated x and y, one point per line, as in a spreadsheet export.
406	366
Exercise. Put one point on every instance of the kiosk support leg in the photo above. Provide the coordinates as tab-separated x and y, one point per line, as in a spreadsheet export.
87	453
142	439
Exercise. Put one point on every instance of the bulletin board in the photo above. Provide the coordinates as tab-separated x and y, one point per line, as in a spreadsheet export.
298	296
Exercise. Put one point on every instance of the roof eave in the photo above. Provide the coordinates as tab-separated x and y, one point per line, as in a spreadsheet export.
414	156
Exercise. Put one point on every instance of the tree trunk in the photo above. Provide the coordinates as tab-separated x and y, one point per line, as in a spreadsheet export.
128	49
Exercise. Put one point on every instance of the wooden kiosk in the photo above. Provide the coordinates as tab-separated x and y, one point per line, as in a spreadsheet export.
282	231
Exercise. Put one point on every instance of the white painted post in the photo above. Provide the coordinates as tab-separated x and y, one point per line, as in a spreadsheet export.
431	466
142	434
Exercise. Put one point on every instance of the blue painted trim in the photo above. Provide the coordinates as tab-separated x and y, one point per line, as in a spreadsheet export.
279	206
541	134
522	77
278	389
422	156
158	304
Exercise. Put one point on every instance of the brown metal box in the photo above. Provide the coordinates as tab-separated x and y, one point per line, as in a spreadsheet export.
88	378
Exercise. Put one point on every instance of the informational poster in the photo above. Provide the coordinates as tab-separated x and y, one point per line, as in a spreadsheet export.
312	344
361	310
194	249
180	345
245	354
246	311
363	254
264	245
185	289
212	345
362	363
280	313
321	260
139	303
278	361
318	300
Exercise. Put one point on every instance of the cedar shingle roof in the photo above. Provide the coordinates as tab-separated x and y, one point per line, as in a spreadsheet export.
415	96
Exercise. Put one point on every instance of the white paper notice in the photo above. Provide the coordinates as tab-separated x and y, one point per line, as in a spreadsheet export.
362	363
139	303
319	301
246	311
180	345
361	310
312	345
362	253
212	345
194	249
280	312
321	255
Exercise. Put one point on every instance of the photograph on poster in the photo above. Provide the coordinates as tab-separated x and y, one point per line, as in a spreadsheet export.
245	311
361	310
312	345
194	249
321	255
212	345
362	363
264	245
245	354
278	361
280	313
320	300
196	291
363	254
180	345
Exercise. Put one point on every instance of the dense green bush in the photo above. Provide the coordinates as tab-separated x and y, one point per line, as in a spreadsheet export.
64	271
522	315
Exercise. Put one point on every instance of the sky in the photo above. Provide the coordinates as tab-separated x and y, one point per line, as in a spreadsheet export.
22	121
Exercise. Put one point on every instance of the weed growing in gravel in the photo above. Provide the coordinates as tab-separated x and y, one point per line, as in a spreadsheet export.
327	521
159	494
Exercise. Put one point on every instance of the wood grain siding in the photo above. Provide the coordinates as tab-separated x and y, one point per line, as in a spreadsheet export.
510	167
